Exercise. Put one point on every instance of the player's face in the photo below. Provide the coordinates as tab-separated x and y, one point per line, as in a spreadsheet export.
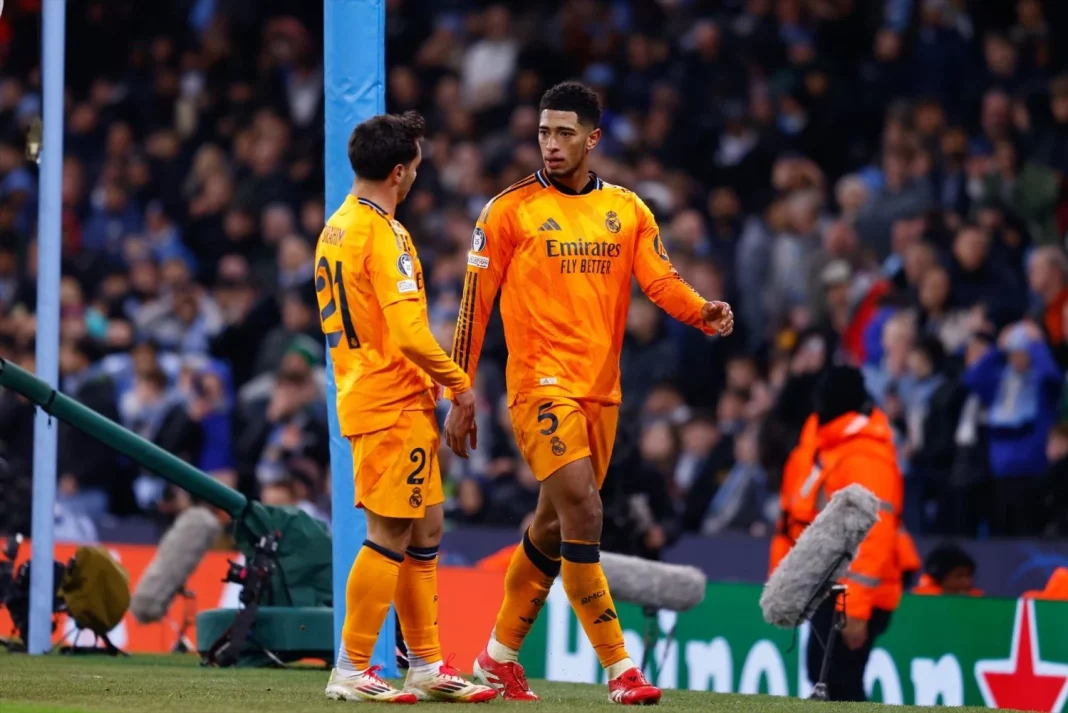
565	142
408	174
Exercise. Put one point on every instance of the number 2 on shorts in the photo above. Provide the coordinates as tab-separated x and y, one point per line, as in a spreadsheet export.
417	456
545	415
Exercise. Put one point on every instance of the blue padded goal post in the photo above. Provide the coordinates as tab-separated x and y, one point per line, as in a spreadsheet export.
354	82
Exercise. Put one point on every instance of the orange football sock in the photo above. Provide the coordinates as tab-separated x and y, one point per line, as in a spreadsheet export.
527	583
371	586
587	590
417	605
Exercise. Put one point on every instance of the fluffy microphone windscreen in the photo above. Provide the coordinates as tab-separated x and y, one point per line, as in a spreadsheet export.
820	557
653	584
178	554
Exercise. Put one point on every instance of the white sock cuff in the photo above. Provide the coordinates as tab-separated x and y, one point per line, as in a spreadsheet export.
618	668
499	652
424	669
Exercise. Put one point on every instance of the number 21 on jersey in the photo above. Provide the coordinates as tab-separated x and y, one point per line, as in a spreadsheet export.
333	283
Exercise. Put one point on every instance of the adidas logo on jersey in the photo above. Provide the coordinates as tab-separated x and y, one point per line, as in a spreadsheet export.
550	224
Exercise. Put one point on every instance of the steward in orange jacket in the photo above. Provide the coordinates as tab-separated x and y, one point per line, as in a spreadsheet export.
854	444
789	526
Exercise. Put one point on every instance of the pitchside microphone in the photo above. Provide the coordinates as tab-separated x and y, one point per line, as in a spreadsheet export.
179	553
653	584
820	557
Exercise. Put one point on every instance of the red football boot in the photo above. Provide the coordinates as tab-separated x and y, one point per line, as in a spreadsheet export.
632	688
506	678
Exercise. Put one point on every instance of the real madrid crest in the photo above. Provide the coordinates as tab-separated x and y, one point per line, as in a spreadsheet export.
611	221
416	498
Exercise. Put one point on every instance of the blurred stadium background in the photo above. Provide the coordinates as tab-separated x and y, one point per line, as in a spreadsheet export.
874	181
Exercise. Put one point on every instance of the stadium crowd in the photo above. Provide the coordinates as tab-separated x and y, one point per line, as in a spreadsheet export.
879	183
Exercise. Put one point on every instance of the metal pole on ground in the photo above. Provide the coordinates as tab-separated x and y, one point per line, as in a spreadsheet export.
49	247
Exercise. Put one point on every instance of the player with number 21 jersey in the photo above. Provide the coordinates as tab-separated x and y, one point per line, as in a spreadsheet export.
385	359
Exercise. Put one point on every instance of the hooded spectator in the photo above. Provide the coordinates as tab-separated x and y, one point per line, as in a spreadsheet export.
1019	384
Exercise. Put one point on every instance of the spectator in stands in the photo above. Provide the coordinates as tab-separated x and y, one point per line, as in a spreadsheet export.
648	355
706	456
1030	190
1047	276
979	279
931	413
936	315
1056	482
741	499
1019	383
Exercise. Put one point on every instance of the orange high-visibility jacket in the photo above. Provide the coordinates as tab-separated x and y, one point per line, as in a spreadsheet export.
927	586
907	555
1056	587
858	448
908	560
797	468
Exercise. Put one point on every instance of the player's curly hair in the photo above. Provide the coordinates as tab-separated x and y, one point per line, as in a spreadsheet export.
379	144
576	97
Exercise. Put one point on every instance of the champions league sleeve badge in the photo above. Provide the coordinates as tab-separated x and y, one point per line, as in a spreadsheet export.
478	240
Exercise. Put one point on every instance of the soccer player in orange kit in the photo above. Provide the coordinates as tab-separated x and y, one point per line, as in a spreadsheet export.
370	288
562	246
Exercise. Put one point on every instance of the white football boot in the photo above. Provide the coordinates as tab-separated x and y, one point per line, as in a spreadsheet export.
365	687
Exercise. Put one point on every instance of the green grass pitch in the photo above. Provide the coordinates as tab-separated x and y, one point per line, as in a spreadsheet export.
176	684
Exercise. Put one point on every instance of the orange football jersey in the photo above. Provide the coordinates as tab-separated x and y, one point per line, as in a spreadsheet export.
365	261
563	262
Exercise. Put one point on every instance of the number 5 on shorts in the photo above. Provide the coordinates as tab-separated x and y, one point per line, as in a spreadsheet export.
545	415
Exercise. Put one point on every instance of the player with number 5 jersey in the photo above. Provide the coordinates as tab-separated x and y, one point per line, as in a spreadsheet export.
386	361
563	247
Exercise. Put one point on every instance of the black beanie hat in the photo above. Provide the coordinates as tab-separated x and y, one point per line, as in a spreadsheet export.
839	391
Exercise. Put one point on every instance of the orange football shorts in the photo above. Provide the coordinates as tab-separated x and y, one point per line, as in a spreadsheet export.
552	432
396	468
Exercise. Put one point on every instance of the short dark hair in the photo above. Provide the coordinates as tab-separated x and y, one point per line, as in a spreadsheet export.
576	97
379	144
931	347
944	559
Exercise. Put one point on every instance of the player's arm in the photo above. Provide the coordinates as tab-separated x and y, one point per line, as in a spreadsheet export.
410	332
492	245
491	251
663	285
400	299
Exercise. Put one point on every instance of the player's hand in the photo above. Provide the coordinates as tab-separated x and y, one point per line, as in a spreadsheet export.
719	316
460	423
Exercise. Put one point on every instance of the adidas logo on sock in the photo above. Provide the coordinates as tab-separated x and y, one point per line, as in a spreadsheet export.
550	224
608	616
